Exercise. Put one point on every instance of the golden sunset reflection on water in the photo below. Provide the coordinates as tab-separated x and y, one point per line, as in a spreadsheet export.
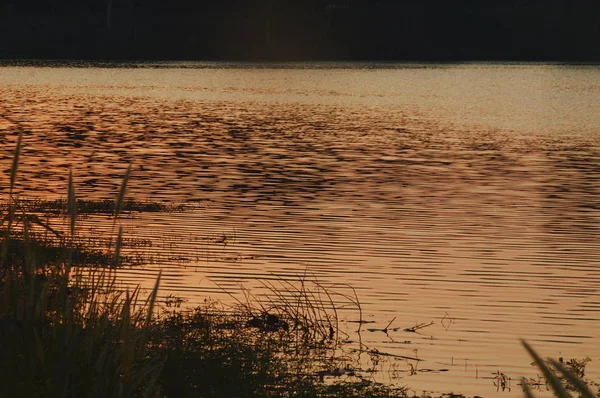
464	195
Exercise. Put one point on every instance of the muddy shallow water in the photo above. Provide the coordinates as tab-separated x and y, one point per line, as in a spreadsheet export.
466	195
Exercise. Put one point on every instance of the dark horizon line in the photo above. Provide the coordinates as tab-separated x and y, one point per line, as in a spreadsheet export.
155	62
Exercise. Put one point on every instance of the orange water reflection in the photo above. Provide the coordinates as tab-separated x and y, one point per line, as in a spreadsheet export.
463	195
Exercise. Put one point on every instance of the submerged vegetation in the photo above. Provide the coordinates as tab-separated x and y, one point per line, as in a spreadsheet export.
86	207
67	330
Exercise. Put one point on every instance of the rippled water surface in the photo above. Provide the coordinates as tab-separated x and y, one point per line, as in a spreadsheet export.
464	195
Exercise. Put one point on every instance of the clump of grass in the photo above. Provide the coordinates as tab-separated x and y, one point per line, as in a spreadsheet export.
285	340
210	352
64	339
61	337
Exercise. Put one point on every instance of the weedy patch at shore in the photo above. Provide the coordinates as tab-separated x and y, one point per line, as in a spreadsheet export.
58	335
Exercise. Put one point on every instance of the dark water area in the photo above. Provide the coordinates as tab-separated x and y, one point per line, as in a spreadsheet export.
463	195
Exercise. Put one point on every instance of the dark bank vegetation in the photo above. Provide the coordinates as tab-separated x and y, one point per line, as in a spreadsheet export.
429	30
66	330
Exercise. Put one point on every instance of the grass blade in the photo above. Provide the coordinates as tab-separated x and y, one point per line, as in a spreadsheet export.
121	197
15	164
552	379
117	257
526	389
11	210
71	203
150	310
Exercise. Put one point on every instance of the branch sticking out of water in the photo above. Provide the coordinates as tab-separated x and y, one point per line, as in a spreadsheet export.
418	327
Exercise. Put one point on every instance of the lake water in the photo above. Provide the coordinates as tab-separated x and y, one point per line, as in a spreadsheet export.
463	195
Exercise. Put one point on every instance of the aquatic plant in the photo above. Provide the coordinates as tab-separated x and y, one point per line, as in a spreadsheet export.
57	207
